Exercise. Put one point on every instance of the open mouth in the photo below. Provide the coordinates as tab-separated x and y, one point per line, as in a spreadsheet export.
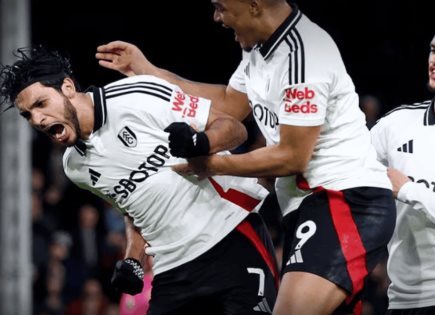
57	131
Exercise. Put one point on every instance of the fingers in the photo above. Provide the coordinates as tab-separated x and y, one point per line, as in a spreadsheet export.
183	169
107	64
115	45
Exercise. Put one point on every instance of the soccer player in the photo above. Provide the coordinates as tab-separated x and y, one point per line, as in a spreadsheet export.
403	141
212	254
336	200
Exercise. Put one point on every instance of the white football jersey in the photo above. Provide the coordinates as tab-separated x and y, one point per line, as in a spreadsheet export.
126	160
404	140
298	78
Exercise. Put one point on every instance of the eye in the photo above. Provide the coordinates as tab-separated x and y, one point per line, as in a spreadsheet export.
25	115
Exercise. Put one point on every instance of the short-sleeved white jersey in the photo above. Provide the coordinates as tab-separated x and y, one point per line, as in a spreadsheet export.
126	160
404	140
298	78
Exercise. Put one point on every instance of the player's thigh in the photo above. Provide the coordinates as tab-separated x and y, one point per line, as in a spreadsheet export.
308	294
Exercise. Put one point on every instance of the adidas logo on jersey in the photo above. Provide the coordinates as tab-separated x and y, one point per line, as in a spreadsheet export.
407	147
263	306
295	258
95	176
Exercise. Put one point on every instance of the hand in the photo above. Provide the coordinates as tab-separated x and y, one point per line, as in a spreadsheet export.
398	179
128	276
125	58
196	166
186	142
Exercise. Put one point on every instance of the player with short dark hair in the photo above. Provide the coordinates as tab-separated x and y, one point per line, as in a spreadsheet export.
329	184
211	250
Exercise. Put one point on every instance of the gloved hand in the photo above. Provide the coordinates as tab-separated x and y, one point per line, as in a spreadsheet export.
186	142
128	276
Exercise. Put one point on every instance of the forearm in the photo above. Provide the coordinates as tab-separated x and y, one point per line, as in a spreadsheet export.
213	92
271	161
135	242
419	197
225	134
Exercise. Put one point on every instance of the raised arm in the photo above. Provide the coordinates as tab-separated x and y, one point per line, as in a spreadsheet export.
129	60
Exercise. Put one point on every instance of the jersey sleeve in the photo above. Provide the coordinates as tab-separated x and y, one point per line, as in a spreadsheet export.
419	198
304	104
190	109
379	137
314	84
237	80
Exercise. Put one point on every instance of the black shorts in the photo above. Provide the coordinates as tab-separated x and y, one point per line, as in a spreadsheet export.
429	310
340	236
237	276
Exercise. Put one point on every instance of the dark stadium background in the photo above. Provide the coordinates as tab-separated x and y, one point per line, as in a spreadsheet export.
384	43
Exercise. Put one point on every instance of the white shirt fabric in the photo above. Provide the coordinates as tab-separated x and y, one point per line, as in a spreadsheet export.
298	78
126	160
404	140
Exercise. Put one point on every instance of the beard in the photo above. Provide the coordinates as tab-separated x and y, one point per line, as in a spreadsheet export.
71	115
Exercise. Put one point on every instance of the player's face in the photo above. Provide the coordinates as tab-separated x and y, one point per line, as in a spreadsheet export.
49	111
432	65
235	14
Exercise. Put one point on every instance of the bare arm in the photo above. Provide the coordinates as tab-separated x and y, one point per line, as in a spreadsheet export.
135	242
290	156
129	60
224	132
398	179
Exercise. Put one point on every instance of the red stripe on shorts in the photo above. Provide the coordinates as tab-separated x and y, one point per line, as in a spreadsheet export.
246	229
350	240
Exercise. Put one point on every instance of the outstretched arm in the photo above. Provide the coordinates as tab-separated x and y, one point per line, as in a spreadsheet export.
129	60
289	157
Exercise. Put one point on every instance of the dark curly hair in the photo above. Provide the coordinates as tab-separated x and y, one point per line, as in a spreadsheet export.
34	64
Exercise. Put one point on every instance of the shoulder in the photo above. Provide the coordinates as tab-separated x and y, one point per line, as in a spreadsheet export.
406	108
138	88
404	114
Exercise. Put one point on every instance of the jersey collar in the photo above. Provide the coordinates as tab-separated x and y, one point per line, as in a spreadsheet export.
429	115
100	110
278	36
100	115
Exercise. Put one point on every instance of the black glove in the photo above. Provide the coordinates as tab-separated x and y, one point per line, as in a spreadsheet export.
128	276
185	142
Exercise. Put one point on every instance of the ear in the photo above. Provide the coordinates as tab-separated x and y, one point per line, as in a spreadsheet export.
68	88
255	7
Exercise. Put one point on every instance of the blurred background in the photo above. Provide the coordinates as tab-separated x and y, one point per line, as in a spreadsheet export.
59	244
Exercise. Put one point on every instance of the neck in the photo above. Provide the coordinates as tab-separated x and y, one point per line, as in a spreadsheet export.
274	17
85	114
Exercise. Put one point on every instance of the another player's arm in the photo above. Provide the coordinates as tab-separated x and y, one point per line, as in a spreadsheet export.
290	156
414	194
224	132
129	60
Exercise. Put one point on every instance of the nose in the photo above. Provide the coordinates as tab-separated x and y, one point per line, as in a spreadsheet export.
38	119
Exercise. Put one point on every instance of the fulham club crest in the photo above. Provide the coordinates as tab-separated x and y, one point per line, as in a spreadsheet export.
127	137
